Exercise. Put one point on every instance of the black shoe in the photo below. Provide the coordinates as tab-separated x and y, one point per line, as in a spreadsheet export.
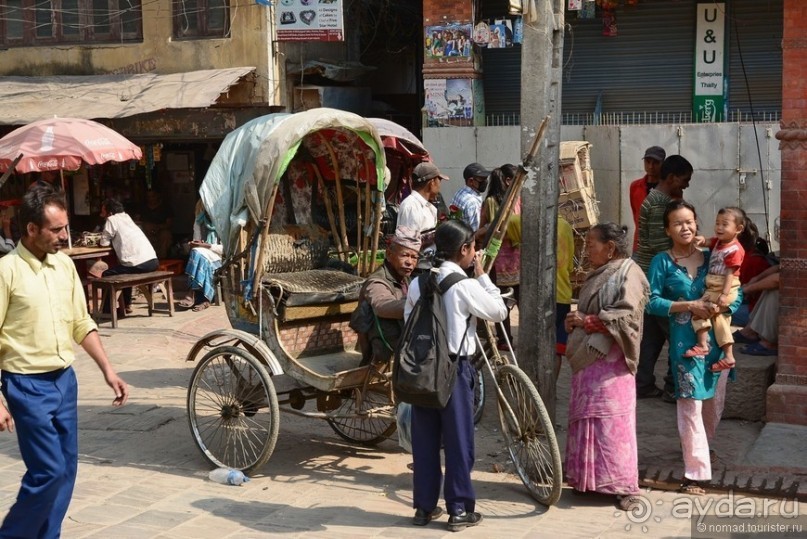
652	394
422	518
463	520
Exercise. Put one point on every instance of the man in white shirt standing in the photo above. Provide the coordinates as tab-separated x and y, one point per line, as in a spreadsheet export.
416	211
133	249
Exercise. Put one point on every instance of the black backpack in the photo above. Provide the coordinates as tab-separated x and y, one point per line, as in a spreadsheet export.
424	371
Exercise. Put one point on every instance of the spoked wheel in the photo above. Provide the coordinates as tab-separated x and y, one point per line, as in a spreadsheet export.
479	395
232	409
529	435
366	415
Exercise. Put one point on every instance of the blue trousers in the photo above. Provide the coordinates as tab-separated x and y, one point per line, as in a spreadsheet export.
45	412
453	426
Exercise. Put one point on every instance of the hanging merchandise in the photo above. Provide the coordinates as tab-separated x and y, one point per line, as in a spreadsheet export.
588	12
609	24
518	30
482	34
575	5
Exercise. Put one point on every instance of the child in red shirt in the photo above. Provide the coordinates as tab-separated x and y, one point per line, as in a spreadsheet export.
722	284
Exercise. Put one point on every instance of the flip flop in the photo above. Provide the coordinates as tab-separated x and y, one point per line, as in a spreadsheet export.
692	488
696	351
759	349
722	365
628	503
185	304
201	306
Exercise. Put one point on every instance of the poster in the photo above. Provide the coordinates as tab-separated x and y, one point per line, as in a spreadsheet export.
309	20
449	99
449	40
81	192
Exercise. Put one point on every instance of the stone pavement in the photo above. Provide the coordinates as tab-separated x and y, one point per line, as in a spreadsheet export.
140	474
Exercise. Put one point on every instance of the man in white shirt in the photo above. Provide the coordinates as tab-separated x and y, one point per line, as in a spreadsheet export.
416	211
133	249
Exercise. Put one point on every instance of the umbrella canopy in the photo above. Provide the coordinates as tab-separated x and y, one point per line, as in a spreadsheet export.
399	138
63	144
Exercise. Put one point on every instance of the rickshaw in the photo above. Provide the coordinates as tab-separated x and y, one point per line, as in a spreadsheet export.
297	200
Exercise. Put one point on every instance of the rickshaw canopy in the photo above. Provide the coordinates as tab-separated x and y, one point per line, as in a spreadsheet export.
240	182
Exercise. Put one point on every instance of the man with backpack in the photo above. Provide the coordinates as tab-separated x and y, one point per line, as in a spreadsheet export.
378	319
448	341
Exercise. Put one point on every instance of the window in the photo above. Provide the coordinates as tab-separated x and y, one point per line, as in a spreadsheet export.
195	19
25	23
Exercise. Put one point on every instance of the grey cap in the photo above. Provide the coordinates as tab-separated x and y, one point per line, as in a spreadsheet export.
425	171
656	153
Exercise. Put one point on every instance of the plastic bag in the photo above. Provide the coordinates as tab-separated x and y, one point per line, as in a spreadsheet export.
404	420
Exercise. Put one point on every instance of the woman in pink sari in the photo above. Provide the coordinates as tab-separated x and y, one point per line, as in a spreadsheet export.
603	351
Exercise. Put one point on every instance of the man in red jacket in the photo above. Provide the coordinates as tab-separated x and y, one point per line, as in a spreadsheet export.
653	157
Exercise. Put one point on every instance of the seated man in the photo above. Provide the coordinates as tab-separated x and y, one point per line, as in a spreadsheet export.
379	317
134	252
762	332
156	220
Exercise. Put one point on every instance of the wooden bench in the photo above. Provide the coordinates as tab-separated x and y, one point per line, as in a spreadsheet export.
110	286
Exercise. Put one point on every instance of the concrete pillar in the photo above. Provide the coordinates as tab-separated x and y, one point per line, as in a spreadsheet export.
787	397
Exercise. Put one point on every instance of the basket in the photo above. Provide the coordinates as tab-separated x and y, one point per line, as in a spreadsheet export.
296	248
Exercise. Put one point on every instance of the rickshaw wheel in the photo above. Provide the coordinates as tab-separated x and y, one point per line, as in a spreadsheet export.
366	415
233	412
529	435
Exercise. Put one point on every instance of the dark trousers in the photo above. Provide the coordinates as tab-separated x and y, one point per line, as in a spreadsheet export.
453	426
45	412
145	267
655	333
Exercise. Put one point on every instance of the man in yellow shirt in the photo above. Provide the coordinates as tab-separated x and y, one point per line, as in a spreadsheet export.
42	311
563	287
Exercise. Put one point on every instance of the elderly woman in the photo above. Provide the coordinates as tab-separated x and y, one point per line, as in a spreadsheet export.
603	351
677	282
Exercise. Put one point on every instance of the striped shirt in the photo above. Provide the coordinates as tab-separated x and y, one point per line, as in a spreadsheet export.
653	238
470	202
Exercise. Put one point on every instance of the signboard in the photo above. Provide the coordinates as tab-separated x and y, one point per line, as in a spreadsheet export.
709	95
309	20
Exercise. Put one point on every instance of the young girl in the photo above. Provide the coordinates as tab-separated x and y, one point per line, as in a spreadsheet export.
452	426
722	284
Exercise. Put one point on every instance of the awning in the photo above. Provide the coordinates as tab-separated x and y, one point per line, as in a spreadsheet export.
26	99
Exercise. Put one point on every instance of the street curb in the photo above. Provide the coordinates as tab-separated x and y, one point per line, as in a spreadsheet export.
752	481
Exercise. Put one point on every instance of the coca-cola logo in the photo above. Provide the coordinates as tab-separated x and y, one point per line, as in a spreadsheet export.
97	142
110	156
51	164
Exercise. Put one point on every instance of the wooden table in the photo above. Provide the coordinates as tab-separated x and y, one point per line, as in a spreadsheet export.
85	253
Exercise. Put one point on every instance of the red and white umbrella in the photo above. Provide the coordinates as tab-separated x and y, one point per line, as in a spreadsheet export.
63	144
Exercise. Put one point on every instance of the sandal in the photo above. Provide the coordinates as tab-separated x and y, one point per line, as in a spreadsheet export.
185	304
692	488
696	351
723	365
628	503
201	306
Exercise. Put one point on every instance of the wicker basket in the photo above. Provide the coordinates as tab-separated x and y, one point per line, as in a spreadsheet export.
296	248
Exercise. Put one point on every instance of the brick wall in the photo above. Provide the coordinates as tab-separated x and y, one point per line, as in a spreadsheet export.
445	11
787	398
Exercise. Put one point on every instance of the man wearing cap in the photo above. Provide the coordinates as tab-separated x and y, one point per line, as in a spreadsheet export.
469	198
639	189
416	212
383	296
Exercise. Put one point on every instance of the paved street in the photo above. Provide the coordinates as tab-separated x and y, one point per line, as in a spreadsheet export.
140	474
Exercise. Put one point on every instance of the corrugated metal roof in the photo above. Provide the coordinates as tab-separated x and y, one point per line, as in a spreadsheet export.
26	99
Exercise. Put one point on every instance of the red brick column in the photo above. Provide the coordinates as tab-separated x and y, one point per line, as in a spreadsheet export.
449	12
787	397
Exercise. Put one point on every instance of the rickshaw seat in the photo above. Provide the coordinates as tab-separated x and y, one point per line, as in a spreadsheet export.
313	293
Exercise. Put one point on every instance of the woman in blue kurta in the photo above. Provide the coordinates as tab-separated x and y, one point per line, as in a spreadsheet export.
677	282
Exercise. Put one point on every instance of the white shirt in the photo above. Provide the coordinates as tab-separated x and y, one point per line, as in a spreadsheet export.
417	213
477	298
130	243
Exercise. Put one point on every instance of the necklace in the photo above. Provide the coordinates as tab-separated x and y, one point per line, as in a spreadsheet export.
676	258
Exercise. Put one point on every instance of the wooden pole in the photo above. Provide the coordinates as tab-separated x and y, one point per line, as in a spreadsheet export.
329	209
367	218
264	235
340	202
